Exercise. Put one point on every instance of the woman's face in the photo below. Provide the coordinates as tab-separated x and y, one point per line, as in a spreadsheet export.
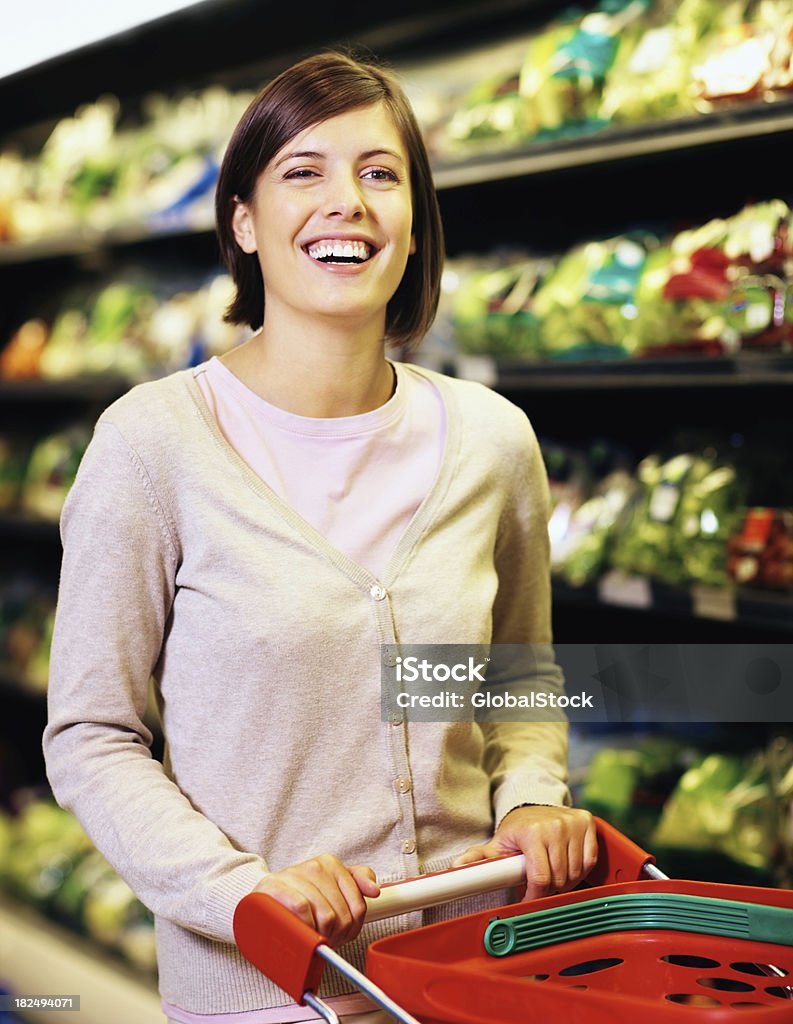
331	220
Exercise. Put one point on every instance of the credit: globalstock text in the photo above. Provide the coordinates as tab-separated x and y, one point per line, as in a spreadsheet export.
528	701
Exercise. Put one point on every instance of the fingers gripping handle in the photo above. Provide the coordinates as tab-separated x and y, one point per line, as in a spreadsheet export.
619	860
292	954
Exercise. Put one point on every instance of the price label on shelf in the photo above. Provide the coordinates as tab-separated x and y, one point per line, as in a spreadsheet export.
628	591
482	369
714	602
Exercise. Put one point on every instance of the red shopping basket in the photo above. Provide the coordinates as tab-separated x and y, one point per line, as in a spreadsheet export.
626	949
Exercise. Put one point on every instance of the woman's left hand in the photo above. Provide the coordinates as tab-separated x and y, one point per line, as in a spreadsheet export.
559	843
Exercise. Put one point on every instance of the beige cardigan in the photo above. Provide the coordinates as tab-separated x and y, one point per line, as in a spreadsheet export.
265	644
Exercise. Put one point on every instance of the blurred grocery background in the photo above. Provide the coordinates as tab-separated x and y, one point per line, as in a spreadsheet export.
615	183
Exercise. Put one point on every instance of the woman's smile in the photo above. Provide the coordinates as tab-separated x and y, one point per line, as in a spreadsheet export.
340	251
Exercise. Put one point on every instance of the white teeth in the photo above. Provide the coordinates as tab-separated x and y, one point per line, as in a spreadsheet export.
331	248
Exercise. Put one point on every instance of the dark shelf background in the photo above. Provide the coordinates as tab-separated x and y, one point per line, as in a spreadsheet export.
241	43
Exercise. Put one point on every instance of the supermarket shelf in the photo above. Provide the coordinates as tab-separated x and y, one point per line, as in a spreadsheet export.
739	122
740	370
25	524
85	389
724	604
39	957
82	241
12	684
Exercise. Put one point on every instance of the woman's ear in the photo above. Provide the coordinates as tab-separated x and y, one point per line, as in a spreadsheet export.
412	249
242	226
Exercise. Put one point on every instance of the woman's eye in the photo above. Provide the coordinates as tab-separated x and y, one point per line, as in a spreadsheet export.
300	172
382	174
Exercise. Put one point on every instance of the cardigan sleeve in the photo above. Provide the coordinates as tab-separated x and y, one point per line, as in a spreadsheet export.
115	594
526	760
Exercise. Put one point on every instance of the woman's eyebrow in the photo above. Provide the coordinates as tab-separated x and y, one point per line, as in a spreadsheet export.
308	154
303	154
382	151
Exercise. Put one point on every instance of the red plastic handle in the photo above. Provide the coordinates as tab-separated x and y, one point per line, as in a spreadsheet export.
619	858
284	949
279	944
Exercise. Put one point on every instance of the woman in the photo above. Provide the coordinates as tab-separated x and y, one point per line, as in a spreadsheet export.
260	533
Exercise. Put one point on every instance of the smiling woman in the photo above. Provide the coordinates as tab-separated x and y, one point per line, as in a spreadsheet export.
260	533
328	86
330	222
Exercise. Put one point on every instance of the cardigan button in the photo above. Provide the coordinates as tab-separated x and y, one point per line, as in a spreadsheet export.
378	592
408	845
403	785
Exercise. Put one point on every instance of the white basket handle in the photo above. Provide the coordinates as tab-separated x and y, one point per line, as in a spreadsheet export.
444	886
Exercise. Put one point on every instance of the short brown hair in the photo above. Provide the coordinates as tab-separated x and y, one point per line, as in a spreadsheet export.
311	91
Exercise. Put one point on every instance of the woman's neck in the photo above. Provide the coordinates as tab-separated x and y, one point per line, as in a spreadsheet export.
325	375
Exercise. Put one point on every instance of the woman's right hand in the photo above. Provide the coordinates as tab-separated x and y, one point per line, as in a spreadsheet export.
325	894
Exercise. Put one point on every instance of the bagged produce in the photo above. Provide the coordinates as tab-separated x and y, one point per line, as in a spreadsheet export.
44	843
678	530
760	551
47	860
566	65
647	544
102	167
627	786
491	113
747	57
79	168
586	306
710	508
651	77
135	330
100	333
492	308
760	311
725	804
696	292
51	470
691	292
584	553
21	357
174	155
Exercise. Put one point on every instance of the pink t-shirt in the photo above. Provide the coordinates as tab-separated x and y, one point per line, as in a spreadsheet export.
358	480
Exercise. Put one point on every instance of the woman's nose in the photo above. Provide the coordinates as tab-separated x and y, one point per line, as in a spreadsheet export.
344	198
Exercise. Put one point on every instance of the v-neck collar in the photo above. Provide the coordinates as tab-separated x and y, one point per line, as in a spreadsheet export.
333	427
418	523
